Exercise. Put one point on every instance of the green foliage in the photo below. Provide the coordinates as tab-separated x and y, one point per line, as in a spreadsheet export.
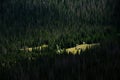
31	23
39	12
96	63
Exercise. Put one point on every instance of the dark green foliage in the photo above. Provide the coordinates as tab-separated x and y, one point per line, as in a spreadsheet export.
66	23
39	12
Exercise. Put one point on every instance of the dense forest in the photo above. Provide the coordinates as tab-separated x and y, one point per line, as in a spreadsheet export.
63	23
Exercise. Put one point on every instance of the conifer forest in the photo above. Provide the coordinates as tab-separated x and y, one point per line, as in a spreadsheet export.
59	39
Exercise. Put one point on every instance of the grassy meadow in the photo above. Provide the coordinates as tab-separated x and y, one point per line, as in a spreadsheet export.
59	39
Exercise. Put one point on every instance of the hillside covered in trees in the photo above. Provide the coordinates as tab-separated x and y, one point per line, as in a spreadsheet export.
63	24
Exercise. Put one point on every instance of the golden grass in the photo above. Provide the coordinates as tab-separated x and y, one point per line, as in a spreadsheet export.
79	48
73	50
34	48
